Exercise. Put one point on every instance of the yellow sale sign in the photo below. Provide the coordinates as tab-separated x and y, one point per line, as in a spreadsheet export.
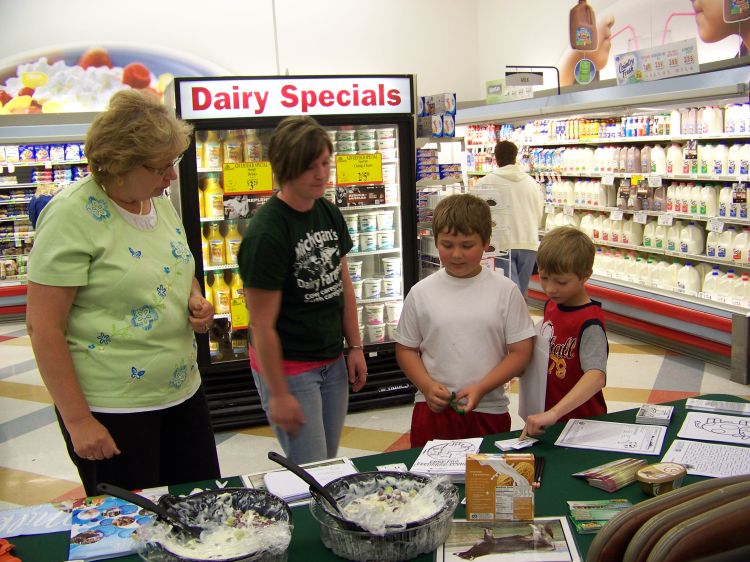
247	177
354	169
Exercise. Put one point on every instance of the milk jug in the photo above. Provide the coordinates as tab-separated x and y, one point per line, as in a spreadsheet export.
711	285
691	239
740	246
741	290
720	159
649	231
582	27
705	159
671	196
658	160
641	270
587	225
669	279
726	286
659	199
712	244
725	201
726	244
646	159
688	280
660	237
606	227
695	200
675	123
674	159
615	233
632	233
733	159
708	201
597	228
745	158
673	236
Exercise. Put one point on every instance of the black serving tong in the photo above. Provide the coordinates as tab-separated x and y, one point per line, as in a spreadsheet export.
145	503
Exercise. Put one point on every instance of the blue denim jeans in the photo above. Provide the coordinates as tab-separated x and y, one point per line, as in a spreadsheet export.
521	267
323	394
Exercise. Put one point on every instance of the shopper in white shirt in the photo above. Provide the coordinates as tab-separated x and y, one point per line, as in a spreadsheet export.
527	205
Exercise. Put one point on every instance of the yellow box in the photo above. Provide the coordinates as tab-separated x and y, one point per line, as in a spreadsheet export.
498	487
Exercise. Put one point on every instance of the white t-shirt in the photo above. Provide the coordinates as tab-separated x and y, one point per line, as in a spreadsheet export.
462	327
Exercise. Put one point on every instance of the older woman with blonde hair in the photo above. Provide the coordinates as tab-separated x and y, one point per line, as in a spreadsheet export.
113	304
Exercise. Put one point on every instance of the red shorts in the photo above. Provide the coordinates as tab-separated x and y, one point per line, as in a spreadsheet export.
448	424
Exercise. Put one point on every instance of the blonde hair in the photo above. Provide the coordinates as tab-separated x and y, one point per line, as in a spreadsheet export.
462	214
566	250
294	145
135	129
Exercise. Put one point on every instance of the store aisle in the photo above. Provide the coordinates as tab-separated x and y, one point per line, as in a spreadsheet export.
34	467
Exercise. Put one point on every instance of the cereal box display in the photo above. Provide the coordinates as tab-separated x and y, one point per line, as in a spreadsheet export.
499	487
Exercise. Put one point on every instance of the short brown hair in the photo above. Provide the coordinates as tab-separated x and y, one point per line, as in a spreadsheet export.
295	144
135	129
566	250
462	214
505	153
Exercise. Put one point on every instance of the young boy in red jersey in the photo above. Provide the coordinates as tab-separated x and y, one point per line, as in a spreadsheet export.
577	367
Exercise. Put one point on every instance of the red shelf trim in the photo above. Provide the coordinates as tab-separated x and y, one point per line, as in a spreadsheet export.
660	331
661	308
12	291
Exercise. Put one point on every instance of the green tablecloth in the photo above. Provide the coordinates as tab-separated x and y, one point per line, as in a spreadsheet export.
558	486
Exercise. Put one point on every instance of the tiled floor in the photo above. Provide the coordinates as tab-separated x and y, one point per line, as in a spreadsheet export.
34	466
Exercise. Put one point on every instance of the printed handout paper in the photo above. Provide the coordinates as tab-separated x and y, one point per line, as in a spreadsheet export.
612	436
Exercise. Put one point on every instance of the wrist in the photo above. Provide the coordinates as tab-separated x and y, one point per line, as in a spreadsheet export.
356	347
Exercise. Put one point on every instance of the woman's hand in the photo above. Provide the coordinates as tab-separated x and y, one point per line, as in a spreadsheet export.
201	316
357	368
91	440
286	412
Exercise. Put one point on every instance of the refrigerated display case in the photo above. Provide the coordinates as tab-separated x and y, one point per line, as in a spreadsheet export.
567	139
225	177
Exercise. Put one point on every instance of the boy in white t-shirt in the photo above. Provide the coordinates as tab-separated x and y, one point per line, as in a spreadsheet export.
464	332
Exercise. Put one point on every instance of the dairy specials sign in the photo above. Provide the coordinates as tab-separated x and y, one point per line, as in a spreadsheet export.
207	98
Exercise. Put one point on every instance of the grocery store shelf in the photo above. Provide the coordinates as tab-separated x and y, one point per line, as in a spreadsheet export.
638	140
424	141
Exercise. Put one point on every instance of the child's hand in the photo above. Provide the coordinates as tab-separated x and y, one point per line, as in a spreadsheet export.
437	396
536	423
468	398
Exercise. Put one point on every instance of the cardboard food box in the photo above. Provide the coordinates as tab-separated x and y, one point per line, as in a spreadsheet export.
498	487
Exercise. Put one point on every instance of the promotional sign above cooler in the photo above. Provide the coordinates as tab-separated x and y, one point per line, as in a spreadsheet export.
224	98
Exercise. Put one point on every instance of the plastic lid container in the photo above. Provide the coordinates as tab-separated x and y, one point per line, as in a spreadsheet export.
660	478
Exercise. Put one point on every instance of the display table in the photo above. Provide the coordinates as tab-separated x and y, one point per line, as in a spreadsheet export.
558	486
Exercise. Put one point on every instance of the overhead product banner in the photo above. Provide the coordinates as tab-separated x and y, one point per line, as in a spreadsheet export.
287	95
655	63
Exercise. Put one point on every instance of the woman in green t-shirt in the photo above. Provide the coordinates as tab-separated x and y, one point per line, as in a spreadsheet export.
301	299
113	303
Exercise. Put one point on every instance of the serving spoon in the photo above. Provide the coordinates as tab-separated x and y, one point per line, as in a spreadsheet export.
315	488
145	503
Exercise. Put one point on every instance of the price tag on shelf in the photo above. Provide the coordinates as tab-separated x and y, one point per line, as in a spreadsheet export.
247	177
569	210
715	225
549	208
356	169
48	165
240	315
615	215
640	218
635	180
654	181
666	219
608	179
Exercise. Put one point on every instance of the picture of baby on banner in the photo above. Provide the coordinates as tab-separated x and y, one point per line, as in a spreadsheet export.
533	381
